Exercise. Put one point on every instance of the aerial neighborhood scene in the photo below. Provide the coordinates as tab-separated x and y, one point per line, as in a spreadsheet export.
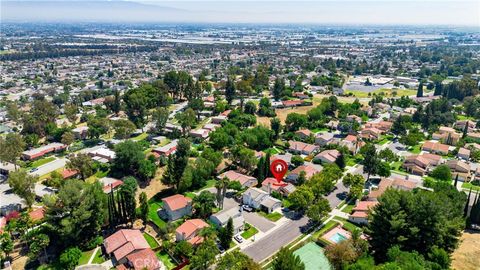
240	135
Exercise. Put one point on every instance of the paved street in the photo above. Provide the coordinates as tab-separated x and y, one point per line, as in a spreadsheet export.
258	221
50	167
276	239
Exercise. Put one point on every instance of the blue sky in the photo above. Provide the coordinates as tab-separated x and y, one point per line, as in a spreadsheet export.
408	12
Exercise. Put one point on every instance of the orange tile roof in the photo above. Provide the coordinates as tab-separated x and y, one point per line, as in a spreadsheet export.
177	201
190	227
144	259
124	242
37	214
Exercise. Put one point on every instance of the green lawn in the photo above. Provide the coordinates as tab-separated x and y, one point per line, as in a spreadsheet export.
470	185
416	149
166	259
210	183
328	226
153	215
316	130
190	195
272	151
385	91
85	257
140	137
347	224
464	117
40	162
348	209
286	203
249	233
150	240
98	259
272	216
396	165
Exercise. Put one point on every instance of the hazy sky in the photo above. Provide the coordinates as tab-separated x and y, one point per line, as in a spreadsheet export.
420	12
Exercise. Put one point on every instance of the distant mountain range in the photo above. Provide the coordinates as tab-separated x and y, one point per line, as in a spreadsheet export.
75	10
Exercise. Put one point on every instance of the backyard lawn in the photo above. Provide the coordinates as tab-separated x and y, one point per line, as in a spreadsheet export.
250	232
153	215
470	185
98	259
85	257
140	137
151	241
272	216
348	209
166	259
416	149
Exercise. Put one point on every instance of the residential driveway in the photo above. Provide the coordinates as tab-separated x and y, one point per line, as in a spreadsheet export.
338	195
258	221
50	167
276	239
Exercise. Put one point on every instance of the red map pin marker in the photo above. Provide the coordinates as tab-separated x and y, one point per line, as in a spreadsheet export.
278	168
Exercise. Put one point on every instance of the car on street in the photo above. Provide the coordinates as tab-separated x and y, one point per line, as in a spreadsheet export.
34	170
247	208
238	238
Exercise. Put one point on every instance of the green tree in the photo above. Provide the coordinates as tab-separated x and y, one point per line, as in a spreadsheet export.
230	91
286	260
23	184
420	90
204	204
244	157
38	244
68	138
97	127
301	198
6	244
160	118
276	127
204	255
123	128
295	121
70	257
77	212
128	158
187	120
318	210
297	160
82	163
278	88
370	160
225	234
12	146
144	207
136	105
355	183
236	260
442	172
71	111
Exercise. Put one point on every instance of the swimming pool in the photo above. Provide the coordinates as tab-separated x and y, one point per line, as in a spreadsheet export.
337	238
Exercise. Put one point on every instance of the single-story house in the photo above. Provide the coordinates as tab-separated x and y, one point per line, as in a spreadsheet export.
309	169
167	149
80	132
328	156
102	154
110	184
245	180
463	153
435	148
43	150
304	133
401	184
323	139
302	148
459	169
260	199
221	218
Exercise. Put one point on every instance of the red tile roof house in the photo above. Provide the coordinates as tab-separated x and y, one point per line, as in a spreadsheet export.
460	169
189	231
383	126
421	164
144	259
245	180
302	148
292	103
271	184
327	156
43	150
176	207
370	133
309	169
460	125
384	184
435	148
360	212
168	149
110	184
123	243
303	133
66	173
463	153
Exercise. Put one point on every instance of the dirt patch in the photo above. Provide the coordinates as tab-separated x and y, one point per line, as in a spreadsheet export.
282	113
466	256
155	185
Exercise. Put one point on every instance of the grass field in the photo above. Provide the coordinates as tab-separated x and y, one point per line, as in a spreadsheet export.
272	216
249	233
470	185
416	149
385	91
140	137
166	259
153	215
85	257
150	240
98	259
40	162
348	209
